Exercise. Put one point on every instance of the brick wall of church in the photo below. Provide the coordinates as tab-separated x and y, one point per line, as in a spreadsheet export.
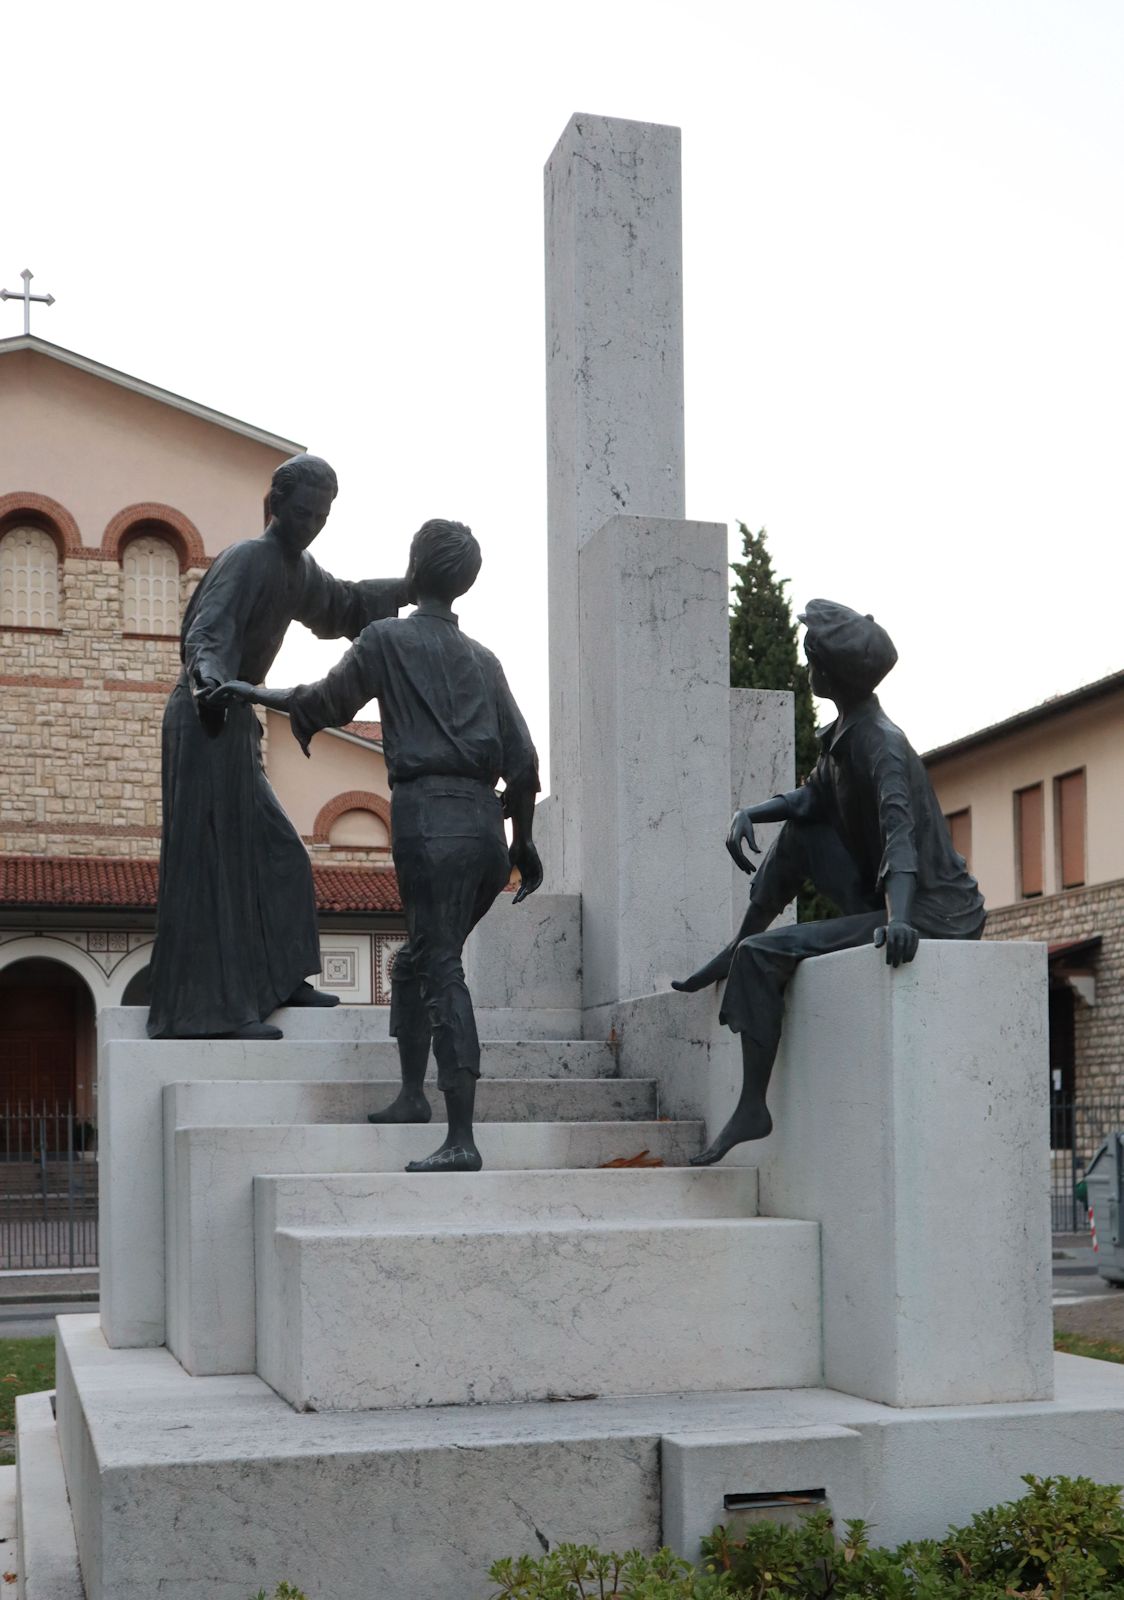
80	713
1079	914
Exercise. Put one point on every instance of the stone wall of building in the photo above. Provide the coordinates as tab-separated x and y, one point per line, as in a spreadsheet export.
1079	914
80	714
81	708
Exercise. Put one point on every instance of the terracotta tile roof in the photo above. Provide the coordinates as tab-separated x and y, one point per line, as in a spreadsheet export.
356	888
107	882
371	731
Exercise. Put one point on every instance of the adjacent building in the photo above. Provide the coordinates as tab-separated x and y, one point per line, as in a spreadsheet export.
115	497
1035	805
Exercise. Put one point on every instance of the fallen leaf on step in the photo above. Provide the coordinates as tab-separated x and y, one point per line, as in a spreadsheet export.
644	1159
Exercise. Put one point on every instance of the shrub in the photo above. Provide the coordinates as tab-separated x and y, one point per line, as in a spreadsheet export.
1063	1540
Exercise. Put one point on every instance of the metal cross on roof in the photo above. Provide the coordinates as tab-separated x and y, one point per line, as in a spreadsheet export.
27	297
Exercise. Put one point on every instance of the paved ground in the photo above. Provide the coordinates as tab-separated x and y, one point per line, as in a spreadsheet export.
1083	1301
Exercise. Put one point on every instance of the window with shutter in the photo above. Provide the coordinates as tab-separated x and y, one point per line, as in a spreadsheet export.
1069	820
152	587
1029	826
29	579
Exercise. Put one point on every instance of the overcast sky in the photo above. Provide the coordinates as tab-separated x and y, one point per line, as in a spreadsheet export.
904	279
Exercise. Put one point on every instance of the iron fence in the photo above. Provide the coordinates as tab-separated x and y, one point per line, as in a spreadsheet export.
1079	1125
48	1188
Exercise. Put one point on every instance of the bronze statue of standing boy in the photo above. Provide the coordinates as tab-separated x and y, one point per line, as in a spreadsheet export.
451	730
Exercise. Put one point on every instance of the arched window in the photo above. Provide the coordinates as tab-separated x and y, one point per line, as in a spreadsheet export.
152	586
29	579
359	830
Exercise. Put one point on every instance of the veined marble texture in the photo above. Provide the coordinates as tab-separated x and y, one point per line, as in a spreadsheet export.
360	1319
210	1249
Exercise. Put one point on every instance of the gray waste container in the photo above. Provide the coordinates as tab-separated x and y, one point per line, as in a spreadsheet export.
1104	1193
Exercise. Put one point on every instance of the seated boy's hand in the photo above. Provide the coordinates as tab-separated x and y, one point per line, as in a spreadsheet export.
525	858
741	828
901	941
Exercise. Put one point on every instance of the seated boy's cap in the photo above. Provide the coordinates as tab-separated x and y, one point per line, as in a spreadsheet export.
848	645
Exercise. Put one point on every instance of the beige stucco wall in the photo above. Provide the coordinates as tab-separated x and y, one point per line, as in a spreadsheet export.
337	766
986	779
97	448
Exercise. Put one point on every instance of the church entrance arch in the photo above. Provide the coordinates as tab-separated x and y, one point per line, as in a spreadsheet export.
46	1040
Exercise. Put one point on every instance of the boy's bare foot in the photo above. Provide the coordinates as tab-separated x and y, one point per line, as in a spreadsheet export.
749	1122
716	968
406	1108
450	1158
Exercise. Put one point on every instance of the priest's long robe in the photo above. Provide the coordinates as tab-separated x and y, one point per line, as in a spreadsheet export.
236	915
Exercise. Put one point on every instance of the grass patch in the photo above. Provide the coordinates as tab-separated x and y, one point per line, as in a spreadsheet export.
26	1367
1076	1344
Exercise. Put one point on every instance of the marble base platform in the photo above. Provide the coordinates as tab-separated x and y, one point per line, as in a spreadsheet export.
218	1487
47	1559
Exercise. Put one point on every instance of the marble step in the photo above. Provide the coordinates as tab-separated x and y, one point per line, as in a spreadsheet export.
132	1076
208	1242
410	1200
229	1102
184	1059
367	1023
364	1318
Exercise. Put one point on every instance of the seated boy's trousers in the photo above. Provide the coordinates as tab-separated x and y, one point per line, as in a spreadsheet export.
753	1002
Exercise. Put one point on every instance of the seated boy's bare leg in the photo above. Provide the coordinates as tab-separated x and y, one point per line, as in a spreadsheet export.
718	967
751	1119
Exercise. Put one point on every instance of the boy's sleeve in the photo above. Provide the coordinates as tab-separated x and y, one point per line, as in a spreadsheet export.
890	765
520	768
355	679
807	803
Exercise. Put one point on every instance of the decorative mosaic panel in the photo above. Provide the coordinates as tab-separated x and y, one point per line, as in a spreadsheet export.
387	946
345	966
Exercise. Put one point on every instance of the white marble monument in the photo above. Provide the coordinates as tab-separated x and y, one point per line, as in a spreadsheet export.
312	1366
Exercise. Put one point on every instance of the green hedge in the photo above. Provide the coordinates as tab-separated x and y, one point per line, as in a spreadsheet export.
1064	1540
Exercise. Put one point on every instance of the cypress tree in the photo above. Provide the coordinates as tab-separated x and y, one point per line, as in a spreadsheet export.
764	655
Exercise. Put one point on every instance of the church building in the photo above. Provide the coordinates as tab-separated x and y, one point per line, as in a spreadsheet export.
115	497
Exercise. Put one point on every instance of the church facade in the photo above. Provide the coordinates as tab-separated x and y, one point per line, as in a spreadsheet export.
115	497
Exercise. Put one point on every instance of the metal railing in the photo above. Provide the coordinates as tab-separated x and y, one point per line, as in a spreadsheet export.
1079	1125
48	1187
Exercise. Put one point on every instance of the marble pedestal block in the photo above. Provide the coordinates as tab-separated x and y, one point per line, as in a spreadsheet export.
911	1122
614	360
370	1316
655	753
